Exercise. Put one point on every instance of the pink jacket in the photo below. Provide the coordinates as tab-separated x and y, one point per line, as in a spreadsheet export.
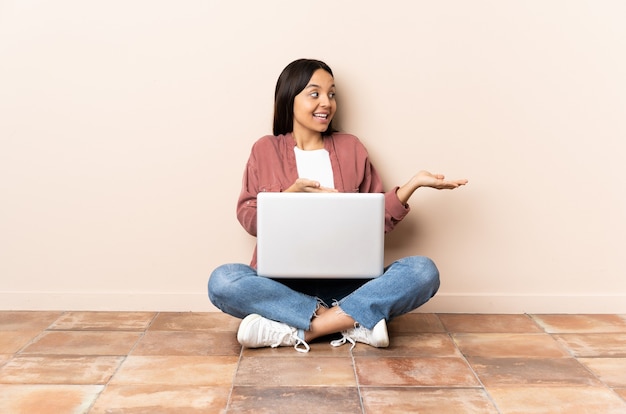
272	167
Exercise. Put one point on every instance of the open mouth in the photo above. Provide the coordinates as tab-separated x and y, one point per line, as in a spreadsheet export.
321	116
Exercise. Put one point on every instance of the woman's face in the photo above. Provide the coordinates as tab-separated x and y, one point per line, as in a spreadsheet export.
315	106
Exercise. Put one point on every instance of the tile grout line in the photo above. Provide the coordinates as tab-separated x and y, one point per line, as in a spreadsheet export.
586	368
18	353
39	335
357	382
576	358
531	317
482	385
232	382
124	358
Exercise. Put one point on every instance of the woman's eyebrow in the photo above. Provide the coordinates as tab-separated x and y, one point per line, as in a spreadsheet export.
313	85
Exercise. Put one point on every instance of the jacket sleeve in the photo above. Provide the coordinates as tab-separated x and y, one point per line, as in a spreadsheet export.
247	203
395	211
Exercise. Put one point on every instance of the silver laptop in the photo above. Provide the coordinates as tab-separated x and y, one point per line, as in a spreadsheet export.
321	235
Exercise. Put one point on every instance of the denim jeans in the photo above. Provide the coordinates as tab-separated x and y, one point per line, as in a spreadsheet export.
406	284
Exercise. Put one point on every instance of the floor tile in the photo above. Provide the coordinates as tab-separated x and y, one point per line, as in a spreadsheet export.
581	323
426	401
170	399
612	371
295	371
415	323
26	320
531	371
13	341
509	345
59	370
422	345
287	400
488	323
187	343
47	399
191	362
177	370
557	400
431	372
83	343
103	321
594	345
195	321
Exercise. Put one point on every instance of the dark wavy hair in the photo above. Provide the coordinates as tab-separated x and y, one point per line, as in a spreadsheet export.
293	79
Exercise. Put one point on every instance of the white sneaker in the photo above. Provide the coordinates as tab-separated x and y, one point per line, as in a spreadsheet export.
256	331
377	337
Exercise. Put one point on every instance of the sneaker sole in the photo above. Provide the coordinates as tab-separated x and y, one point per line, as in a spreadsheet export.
243	327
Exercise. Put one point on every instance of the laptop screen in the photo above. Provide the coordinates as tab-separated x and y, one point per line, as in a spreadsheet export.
320	235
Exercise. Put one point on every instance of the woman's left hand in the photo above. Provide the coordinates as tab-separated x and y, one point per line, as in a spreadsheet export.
427	179
438	181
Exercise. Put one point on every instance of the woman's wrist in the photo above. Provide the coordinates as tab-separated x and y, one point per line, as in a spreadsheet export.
406	191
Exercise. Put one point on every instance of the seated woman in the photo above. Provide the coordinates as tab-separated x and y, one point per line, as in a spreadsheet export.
306	154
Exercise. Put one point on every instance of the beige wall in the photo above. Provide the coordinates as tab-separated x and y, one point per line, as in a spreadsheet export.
125	126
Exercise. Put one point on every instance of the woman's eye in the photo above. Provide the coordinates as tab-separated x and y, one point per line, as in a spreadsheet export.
331	95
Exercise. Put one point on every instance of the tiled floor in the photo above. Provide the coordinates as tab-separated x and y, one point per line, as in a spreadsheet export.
144	362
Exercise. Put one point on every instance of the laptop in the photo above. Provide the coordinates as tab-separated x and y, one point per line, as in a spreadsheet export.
320	235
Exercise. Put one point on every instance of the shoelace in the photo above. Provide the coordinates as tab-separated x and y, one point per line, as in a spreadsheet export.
357	334
300	345
302	342
345	338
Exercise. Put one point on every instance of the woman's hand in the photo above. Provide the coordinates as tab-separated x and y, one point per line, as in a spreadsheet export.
427	179
438	181
303	185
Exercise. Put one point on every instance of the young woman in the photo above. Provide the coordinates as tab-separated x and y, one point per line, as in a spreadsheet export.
306	154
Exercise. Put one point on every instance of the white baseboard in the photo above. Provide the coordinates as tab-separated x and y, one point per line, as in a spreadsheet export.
516	304
107	301
199	302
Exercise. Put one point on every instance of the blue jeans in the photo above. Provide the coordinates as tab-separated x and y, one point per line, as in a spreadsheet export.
406	284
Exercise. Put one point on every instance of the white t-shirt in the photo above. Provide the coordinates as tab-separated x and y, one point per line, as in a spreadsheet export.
315	165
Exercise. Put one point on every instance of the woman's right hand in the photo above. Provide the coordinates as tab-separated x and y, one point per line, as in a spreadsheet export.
303	185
